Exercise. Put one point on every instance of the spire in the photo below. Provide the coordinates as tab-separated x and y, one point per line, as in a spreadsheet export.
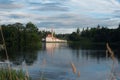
52	32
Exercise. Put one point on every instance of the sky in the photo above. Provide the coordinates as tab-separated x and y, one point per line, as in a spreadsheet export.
64	16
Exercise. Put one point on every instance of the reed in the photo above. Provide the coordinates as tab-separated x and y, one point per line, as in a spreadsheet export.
73	68
7	57
44	62
110	51
78	73
16	75
115	62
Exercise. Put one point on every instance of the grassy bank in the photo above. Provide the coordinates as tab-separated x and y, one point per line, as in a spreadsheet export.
10	74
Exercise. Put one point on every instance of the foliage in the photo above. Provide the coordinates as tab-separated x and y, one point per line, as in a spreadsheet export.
96	35
102	34
18	36
74	37
11	74
43	33
63	36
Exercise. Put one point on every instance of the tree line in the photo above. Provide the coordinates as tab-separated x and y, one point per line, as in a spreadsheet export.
97	34
20	36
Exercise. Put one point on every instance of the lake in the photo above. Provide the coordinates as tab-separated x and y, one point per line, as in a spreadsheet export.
54	60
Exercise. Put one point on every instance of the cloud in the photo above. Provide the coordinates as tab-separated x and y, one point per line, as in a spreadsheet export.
70	21
10	6
61	14
95	6
6	1
49	7
58	30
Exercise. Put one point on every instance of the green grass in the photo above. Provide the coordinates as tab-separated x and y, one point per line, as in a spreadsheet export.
10	74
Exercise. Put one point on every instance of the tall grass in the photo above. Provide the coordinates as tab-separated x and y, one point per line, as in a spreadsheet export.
74	69
110	52
12	75
112	55
8	73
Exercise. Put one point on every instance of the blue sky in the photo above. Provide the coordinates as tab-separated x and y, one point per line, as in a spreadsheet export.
64	16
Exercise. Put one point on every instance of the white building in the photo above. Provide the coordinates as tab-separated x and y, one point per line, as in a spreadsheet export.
51	38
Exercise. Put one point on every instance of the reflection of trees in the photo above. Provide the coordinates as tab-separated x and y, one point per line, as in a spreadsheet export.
2	56
77	45
98	54
30	57
117	53
18	57
74	45
92	51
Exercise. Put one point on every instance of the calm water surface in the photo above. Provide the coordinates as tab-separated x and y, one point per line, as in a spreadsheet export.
53	62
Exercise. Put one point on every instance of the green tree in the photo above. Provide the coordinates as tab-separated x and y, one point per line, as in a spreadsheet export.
78	31
18	36
31	27
32	34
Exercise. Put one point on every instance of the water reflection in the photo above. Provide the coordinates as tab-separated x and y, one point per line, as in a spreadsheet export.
51	47
77	50
87	46
53	61
93	51
88	61
17	57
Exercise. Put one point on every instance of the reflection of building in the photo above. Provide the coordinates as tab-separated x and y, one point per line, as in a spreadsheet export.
51	38
51	46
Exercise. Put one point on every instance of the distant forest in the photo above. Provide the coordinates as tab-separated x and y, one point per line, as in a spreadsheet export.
20	36
98	35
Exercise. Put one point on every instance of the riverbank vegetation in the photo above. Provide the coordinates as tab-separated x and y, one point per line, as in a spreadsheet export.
97	34
102	34
10	74
24	36
19	36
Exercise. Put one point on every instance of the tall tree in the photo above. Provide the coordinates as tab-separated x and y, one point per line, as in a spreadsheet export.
78	31
31	27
